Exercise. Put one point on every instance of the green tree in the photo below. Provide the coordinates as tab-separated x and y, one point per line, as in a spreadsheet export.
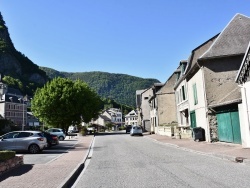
63	102
109	126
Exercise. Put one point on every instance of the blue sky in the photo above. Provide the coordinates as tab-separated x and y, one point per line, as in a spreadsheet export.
143	38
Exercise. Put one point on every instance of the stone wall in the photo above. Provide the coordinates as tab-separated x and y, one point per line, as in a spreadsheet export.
213	126
11	163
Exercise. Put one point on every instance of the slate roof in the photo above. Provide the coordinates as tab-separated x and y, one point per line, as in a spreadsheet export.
228	96
105	118
233	39
14	91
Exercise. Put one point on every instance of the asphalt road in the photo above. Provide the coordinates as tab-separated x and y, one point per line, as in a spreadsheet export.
119	160
48	154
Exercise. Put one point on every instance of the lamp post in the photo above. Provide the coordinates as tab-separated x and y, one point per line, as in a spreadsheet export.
22	99
3	88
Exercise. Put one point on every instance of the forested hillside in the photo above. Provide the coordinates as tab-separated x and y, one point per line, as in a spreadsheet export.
119	87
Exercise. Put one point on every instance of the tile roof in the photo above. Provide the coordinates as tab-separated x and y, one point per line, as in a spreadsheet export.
233	39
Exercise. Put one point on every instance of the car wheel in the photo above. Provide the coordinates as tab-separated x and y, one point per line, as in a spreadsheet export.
61	138
33	148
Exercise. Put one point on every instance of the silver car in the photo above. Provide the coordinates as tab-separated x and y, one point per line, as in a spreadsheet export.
136	130
32	141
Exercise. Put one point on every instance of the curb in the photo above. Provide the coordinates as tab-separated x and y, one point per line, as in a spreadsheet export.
69	181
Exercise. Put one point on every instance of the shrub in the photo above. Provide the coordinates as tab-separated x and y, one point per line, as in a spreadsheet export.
121	128
5	155
84	131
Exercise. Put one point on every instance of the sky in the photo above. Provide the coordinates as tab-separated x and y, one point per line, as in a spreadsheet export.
142	38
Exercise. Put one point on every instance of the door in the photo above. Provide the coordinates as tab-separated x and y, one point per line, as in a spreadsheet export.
229	127
193	119
8	141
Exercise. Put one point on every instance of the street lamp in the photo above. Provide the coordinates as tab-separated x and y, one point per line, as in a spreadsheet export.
21	99
3	88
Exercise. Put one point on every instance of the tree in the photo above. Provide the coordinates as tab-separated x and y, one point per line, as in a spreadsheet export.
63	102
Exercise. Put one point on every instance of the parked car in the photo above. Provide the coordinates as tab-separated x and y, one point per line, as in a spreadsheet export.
128	128
32	141
91	130
136	130
73	129
52	139
58	132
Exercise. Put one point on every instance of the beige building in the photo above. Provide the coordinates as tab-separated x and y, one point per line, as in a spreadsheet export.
163	107
143	108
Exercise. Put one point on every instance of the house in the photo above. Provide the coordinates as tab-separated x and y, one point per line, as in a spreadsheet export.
32	121
212	92
13	106
243	81
163	107
182	103
115	115
138	106
131	118
100	122
153	103
190	93
142	97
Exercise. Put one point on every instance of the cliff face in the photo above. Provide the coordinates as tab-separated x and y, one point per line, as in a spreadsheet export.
15	64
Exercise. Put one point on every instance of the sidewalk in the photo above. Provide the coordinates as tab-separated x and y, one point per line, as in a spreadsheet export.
228	151
57	173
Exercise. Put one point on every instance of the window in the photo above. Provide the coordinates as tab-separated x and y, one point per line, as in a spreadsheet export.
183	93
24	134
195	94
145	98
10	135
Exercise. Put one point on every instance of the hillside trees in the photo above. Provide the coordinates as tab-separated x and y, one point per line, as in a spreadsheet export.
119	87
63	102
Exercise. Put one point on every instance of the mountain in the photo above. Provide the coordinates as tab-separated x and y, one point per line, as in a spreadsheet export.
119	87
19	72
17	69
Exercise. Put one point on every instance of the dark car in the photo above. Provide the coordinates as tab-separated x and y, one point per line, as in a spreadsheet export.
128	128
52	139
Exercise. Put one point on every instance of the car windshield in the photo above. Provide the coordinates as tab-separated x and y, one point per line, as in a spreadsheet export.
136	127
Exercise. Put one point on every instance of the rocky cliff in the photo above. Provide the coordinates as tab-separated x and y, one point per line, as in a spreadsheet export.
15	64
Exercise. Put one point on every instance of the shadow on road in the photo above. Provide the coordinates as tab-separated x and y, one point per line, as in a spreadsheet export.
17	171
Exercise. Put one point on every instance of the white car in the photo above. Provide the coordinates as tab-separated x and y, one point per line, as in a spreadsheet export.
32	141
136	130
58	132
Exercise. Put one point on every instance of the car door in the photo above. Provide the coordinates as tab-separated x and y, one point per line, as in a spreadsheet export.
23	140
8	141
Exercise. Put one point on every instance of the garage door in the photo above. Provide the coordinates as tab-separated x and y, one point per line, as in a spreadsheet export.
229	127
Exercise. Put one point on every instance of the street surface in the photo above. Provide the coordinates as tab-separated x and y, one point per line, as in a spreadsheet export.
119	160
